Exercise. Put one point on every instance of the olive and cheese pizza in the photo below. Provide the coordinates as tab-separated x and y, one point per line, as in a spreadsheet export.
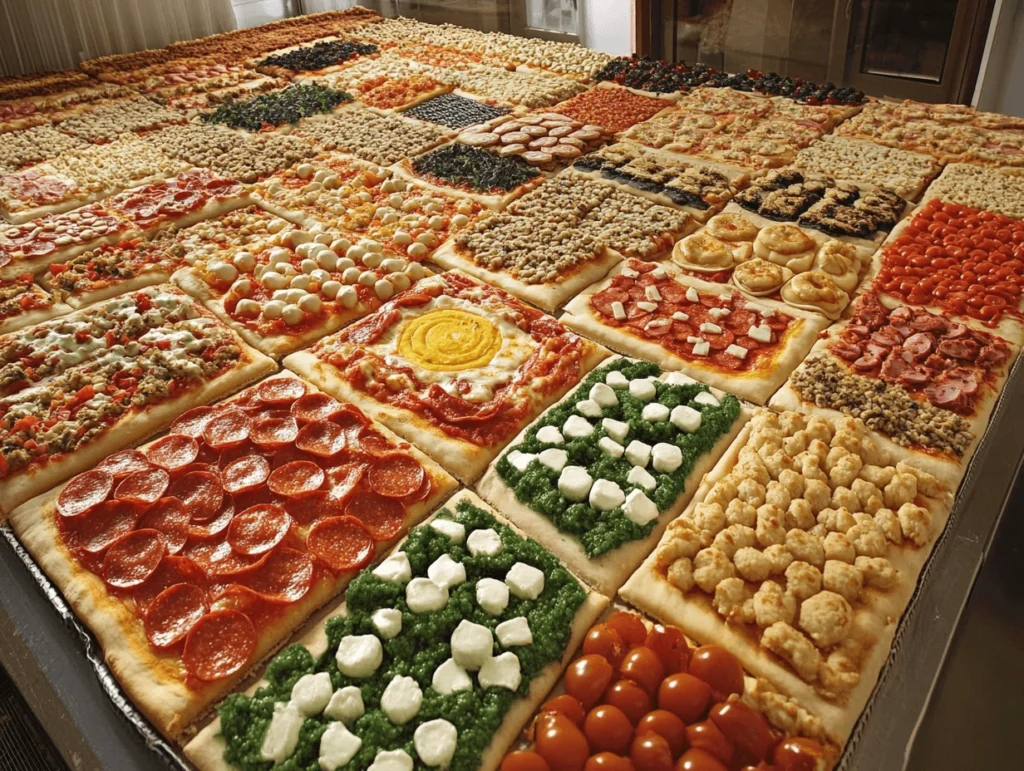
196	555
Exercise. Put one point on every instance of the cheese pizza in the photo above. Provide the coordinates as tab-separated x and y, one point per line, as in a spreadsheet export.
193	557
441	653
702	329
77	388
455	366
600	474
799	554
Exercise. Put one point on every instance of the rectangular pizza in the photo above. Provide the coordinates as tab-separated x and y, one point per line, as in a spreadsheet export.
998	190
563	236
24	303
441	653
77	388
455	366
454	111
195	556
319	58
799	553
600	474
926	384
278	110
106	120
705	330
376	137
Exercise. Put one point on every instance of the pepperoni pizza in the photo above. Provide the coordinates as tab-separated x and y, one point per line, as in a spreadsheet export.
453	365
193	557
694	326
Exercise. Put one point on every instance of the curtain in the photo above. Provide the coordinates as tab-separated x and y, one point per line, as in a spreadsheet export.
40	35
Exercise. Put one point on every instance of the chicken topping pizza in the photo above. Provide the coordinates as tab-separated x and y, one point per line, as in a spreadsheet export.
980	188
371	136
856	160
106	121
32	145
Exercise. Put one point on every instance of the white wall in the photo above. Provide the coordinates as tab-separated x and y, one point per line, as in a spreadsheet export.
607	25
1001	80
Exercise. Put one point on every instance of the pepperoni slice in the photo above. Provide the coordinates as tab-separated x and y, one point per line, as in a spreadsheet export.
99	527
218	645
233	453
215	526
341	543
245	473
315	406
344	479
173	452
322	438
602	301
288	454
208	555
143	486
348	417
383	517
83	492
229	428
395	475
123	463
295	479
133	557
312	508
168	516
420	494
373	442
173	570
201	492
274	432
720	341
283	575
193	422
259	529
173	613
280	390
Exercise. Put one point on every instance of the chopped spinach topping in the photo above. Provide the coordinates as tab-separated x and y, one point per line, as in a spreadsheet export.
278	107
463	166
320	56
601	532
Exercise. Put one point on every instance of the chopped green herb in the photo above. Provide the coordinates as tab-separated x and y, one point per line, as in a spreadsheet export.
463	166
276	108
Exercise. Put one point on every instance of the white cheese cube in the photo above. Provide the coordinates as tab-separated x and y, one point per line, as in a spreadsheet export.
589	408
616	379
605	495
719	313
514	632
659	272
618	311
666	457
701	348
639	509
575	427
686	418
574	483
401	699
282	734
629	273
642	478
646	306
616	429
455	531
492	596
638	453
692	295
423	596
762	333
604	395
525	581
694	339
651	293
727	297
680	316
501	672
391	760
610	447
642	389
450	677
472	644
520	460
655	412
549	435
387	621
395	568
446	572
677	378
338	746
435	742
484	542
711	329
767	313
359	655
656	325
707	399
346	704
554	458
311	693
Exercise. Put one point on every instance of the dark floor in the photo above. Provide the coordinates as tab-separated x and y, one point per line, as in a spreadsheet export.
23	745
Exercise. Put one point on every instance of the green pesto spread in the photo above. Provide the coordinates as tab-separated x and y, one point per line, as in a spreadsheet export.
600	532
420	647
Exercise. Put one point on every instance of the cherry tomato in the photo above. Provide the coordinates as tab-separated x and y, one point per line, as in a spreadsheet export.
684	695
524	761
667	726
670	645
719	669
608	729
744	727
630	698
629	626
798	754
697	760
707	736
568	706
608	761
603	640
650	752
644	668
560	742
587	678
